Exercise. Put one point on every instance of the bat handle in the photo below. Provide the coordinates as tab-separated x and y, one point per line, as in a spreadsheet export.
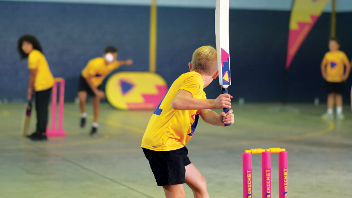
30	103
29	108
225	91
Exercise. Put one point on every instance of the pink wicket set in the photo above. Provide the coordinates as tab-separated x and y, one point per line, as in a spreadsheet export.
266	172
59	131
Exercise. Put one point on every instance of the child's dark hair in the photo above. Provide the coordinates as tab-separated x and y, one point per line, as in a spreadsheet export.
111	49
30	39
335	39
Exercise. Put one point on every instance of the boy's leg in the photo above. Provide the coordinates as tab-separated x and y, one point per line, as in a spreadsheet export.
82	96
329	114
83	90
196	181
330	89
338	98
174	191
339	114
96	109
331	100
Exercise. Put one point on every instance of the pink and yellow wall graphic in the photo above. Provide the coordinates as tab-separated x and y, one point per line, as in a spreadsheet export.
303	17
135	90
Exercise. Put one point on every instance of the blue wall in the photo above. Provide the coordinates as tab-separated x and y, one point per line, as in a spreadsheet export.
72	34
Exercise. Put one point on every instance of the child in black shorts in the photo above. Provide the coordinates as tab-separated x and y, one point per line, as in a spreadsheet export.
90	80
174	122
335	74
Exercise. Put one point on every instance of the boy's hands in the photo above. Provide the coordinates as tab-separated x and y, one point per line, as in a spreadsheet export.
223	101
227	118
129	62
100	94
324	75
345	77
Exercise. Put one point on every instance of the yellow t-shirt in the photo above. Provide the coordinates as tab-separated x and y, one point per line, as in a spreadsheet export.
169	129
97	68
44	78
335	62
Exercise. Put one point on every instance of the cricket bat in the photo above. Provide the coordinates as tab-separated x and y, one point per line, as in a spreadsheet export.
26	119
222	45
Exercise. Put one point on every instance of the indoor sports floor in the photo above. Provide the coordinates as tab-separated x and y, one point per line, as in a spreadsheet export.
113	165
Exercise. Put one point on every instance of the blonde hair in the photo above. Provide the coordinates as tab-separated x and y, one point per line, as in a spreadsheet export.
204	60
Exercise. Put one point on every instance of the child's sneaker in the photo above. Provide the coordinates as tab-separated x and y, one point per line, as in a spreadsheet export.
340	116
83	122
94	131
38	136
328	116
33	135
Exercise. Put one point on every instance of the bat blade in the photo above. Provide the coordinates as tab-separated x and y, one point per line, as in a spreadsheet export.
222	42
26	119
222	45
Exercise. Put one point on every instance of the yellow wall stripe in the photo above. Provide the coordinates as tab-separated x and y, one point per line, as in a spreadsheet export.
153	36
333	19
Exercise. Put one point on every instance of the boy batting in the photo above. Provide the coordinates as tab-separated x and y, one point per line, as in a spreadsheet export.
174	123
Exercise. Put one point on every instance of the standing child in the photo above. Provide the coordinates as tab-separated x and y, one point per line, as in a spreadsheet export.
90	80
40	80
335	74
174	122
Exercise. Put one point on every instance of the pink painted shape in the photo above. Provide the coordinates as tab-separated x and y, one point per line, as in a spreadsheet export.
266	174
60	131
247	174
224	57
151	101
283	174
296	38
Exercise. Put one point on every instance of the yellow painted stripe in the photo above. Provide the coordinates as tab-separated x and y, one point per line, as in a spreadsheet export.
153	36
333	19
5	113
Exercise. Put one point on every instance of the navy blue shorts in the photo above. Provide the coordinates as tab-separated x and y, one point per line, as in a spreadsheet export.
168	167
83	86
332	87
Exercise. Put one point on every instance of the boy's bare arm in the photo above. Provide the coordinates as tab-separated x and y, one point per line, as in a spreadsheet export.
322	67
211	117
184	101
348	69
126	62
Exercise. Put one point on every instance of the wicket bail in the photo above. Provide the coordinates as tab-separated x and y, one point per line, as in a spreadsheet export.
266	172
59	131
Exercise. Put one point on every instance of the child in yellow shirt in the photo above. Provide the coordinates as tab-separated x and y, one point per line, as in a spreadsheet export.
334	72
174	122
90	80
40	81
